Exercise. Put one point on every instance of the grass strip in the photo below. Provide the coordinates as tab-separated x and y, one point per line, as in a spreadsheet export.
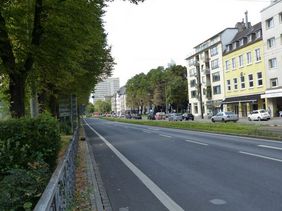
250	130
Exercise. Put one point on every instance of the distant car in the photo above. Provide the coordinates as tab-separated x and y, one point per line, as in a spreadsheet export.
225	117
160	116
128	116
258	115
151	116
175	117
187	116
136	116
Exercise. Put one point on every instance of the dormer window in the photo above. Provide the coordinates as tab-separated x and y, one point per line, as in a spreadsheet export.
258	34
241	43
234	45
228	48
250	38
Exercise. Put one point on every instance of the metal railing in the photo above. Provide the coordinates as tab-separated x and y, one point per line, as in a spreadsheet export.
59	193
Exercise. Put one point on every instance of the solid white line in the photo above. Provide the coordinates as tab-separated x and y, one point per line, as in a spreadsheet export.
163	135
260	156
270	147
159	193
196	142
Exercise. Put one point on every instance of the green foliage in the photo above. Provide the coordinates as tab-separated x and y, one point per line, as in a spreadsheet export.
25	141
102	106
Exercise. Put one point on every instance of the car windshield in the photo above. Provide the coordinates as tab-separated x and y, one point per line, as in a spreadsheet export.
229	113
262	111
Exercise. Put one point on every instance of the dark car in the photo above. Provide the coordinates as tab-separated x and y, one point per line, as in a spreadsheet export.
187	116
136	116
128	116
151	116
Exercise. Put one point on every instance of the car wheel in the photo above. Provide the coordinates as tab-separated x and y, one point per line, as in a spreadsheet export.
212	120
223	120
249	119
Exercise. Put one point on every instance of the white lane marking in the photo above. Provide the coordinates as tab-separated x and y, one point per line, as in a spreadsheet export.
153	128
217	201
196	142
260	156
146	131
158	192
163	135
270	147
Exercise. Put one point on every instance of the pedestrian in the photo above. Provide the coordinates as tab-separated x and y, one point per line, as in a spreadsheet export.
269	111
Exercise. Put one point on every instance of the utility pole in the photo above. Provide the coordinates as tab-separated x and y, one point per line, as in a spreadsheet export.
199	86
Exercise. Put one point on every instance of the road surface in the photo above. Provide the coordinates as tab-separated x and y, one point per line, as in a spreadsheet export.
146	168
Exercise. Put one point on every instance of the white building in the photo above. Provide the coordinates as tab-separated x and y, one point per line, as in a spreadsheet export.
272	37
119	102
105	89
205	73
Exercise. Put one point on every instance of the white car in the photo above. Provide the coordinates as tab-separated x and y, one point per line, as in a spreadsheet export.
225	117
258	115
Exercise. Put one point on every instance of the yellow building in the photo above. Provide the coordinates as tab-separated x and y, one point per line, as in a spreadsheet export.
244	71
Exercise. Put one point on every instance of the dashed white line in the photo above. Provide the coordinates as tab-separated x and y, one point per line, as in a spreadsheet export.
146	131
156	190
270	147
260	156
163	135
196	142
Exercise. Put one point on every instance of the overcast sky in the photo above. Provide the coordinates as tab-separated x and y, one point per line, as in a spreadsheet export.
156	32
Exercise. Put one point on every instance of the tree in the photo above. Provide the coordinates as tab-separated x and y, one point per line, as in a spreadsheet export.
102	106
56	44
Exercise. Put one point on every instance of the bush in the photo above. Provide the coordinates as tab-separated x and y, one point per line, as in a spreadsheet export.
28	153
23	141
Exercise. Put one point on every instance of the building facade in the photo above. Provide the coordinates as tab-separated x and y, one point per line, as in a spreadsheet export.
244	71
105	89
118	101
271	18
205	74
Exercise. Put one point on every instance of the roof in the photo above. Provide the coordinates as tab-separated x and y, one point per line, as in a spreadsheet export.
243	34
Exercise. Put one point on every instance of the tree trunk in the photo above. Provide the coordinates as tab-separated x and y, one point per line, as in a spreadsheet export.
17	95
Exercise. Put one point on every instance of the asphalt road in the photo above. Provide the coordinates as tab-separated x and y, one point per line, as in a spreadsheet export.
147	168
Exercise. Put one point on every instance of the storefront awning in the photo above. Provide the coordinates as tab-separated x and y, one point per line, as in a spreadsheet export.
242	99
272	93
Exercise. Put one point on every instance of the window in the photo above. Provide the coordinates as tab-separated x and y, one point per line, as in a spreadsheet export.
216	90
251	81
249	58
214	64
193	94
192	72
193	83
280	17
273	82
235	83
191	62
241	43
227	64
214	51
241	61
272	63
257	52
280	39
259	75
234	45
228	48
195	108
271	42
203	79
242	78
250	38
215	77
233	63
258	34
228	85
269	23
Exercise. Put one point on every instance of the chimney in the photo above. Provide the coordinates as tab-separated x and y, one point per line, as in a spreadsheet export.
246	19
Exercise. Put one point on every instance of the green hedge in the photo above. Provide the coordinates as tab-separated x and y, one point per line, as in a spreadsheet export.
23	141
28	154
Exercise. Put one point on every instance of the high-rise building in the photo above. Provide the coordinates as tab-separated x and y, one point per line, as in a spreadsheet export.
105	90
272	38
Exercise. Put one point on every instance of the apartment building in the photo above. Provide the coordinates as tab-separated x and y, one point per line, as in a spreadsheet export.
271	18
105	89
205	73
244	71
119	102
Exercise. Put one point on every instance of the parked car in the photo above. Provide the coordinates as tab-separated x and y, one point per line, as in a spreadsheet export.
175	117
151	116
160	116
136	116
187	116
258	115
225	117
128	116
